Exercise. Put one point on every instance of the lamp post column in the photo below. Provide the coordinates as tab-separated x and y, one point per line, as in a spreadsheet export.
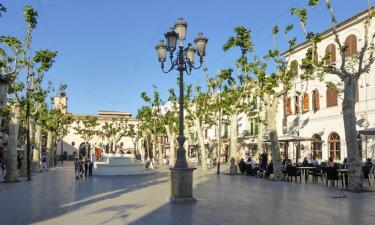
181	158
181	174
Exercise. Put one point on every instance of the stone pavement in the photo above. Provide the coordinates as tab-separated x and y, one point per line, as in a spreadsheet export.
54	197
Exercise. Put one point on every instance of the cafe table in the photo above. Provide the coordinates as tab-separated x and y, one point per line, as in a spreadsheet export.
306	169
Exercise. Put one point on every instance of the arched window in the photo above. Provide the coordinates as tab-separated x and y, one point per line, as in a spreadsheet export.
294	68
331	50
306	102
316	144
296	104
334	146
351	45
315	100
287	108
331	96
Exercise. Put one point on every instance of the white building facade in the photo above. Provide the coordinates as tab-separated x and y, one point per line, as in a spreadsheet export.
313	109
72	142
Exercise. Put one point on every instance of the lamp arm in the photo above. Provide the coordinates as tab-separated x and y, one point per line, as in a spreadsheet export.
191	65
173	64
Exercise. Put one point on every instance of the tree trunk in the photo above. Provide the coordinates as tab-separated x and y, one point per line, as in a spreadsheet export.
37	147
23	170
187	141
3	97
160	149
276	158
53	152
11	154
201	144
354	160
233	136
49	147
153	140
172	147
147	147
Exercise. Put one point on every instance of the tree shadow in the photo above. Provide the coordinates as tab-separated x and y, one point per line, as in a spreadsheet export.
293	127
36	202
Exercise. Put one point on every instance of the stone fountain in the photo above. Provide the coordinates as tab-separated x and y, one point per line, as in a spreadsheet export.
120	165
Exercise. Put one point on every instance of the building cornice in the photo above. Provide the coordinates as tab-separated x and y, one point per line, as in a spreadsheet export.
341	26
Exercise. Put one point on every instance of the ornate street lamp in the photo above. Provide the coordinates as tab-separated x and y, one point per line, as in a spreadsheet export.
181	174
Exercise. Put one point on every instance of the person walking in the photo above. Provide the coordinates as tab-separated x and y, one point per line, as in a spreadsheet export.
76	167
86	167
19	162
44	164
91	164
81	168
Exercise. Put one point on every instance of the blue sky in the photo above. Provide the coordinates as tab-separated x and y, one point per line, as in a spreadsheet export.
106	49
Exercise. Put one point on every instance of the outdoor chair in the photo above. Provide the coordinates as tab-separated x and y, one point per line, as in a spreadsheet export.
366	173
332	174
269	171
292	171
316	173
248	169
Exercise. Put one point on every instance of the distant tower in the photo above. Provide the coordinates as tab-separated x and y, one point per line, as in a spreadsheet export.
60	103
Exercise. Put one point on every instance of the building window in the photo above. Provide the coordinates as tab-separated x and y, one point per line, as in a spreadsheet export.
351	45
315	100
254	126
306	102
296	104
334	146
331	96
226	131
73	143
287	108
331	51
316	145
205	133
294	68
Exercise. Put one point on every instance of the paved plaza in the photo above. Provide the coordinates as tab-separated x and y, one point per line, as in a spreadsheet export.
54	197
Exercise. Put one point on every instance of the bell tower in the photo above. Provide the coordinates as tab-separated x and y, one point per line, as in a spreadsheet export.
60	103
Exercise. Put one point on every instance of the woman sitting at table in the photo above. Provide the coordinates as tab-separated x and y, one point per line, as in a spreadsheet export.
330	162
314	162
305	162
249	166
368	162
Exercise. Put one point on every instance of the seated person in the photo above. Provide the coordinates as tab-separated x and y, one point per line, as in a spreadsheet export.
242	166
249	166
305	162
314	162
330	162
368	162
286	162
269	170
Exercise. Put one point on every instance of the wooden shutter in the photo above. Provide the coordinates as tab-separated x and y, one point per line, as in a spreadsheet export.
306	103
331	49
351	43
315	98
288	110
331	97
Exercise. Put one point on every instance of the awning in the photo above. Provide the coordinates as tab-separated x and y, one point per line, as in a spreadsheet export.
370	131
288	138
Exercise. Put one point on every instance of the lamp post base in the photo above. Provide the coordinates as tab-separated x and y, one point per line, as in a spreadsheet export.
182	185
